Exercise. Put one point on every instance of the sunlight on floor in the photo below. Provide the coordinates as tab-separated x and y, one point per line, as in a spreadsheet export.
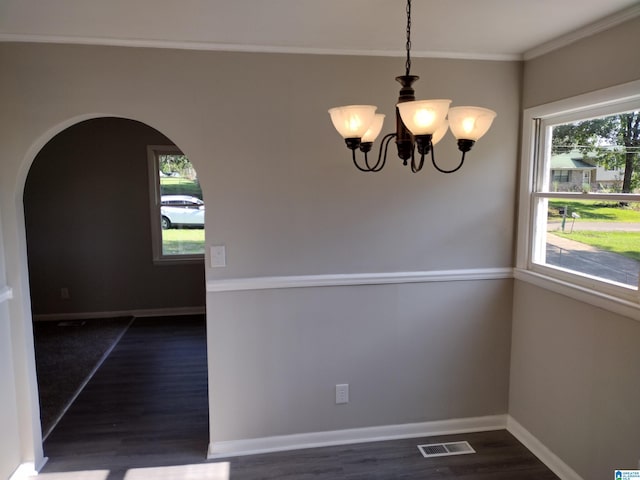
82	475
205	471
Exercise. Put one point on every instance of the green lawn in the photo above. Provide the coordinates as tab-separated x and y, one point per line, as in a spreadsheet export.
624	243
180	186
176	241
596	211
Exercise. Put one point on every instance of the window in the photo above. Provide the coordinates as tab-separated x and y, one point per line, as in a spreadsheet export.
580	205
177	208
561	176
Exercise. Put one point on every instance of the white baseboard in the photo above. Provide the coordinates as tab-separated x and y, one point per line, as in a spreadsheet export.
233	448
546	456
150	312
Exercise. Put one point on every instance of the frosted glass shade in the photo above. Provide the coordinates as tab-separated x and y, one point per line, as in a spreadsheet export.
470	123
352	121
374	129
440	132
423	117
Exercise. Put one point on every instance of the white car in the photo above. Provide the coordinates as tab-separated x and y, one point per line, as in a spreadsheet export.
181	211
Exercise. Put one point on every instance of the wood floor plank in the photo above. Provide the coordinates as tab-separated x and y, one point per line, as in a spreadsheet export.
147	407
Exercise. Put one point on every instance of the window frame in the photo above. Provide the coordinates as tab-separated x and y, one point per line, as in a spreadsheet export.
537	122
159	258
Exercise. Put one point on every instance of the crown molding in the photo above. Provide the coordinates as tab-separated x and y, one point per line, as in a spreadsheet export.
584	32
244	48
559	42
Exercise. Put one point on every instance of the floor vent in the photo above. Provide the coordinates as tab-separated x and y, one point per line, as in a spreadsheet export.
445	449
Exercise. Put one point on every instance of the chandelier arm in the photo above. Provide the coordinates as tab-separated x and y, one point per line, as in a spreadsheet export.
369	167
433	160
416	168
355	162
382	158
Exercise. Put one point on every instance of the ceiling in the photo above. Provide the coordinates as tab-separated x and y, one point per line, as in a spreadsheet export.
491	29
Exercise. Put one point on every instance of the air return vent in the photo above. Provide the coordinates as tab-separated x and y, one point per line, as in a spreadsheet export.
445	449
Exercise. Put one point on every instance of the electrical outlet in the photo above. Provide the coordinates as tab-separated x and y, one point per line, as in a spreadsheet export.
64	293
342	393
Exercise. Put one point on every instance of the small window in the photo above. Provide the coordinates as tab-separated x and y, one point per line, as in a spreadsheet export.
177	207
584	197
561	176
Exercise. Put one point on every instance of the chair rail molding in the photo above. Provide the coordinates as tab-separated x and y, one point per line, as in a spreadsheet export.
354	279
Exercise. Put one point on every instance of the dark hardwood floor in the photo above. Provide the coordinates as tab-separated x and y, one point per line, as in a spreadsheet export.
147	407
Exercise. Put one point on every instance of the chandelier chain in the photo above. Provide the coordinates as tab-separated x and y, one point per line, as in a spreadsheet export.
408	63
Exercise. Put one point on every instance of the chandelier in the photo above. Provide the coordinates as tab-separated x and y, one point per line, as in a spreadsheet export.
419	123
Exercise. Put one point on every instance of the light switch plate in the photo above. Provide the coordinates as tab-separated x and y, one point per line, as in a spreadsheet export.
342	393
218	256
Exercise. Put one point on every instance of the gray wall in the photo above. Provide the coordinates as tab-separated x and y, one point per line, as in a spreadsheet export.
596	62
86	205
575	370
575	380
410	353
300	206
284	198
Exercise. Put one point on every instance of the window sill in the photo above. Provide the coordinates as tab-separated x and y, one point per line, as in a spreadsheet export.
179	260
596	298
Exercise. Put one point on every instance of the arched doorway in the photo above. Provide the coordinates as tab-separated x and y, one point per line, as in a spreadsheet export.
89	229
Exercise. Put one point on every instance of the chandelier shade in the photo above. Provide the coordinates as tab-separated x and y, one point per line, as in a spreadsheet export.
352	121
440	132
375	127
424	117
470	123
420	124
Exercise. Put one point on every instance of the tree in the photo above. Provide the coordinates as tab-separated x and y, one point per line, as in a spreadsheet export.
174	163
615	140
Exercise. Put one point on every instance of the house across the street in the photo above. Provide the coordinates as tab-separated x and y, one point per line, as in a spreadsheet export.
574	171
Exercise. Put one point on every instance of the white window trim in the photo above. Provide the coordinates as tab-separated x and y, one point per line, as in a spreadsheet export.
605	295
154	202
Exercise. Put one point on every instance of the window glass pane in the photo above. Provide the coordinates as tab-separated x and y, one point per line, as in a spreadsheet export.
597	238
181	207
596	155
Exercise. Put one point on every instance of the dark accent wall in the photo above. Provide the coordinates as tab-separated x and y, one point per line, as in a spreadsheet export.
88	228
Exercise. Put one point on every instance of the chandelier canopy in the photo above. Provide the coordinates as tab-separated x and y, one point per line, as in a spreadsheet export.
419	123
